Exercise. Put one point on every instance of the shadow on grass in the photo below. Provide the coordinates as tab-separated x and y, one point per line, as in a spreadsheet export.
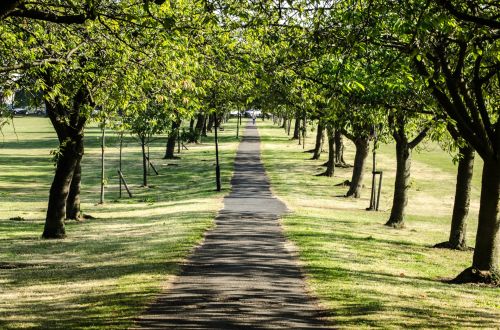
109	266
361	302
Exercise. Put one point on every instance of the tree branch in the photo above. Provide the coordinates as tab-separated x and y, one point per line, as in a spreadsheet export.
489	22
24	66
462	101
477	86
463	125
419	137
7	6
50	17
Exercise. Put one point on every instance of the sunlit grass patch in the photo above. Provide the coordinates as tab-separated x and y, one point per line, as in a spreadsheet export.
110	267
368	275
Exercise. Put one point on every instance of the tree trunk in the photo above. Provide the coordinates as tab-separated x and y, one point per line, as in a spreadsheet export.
402	183
210	123
68	124
296	129
217	121
362	150
319	141
339	149
204	127
171	140
487	240
485	260
191	125
71	151
144	162
196	129
330	164
457	240
73	211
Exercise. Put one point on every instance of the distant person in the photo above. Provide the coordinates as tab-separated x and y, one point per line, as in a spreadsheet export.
253	118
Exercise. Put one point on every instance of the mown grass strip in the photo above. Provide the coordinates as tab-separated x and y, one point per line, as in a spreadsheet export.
366	274
109	268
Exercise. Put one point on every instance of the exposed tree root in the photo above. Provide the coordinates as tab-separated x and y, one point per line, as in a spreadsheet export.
448	245
395	224
82	217
325	174
343	183
343	165
352	195
473	275
54	235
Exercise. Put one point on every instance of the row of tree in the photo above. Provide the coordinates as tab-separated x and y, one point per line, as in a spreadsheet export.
137	66
402	70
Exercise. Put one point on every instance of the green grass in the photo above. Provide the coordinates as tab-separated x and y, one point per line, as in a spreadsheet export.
109	268
366	274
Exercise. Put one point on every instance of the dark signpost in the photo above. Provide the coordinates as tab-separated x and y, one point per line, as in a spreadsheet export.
217	168
375	193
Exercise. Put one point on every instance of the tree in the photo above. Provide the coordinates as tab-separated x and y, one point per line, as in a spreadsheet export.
458	57
144	122
97	63
330	164
320	137
404	147
172	138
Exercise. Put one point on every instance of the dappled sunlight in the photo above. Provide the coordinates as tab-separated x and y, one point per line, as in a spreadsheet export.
369	275
242	275
157	208
427	178
111	266
99	256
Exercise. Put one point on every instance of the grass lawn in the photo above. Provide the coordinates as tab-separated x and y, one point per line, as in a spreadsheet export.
109	268
366	274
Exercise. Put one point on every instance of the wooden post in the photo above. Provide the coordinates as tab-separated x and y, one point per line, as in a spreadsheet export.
238	125
379	190
120	165
103	141
124	183
147	157
217	168
372	197
152	166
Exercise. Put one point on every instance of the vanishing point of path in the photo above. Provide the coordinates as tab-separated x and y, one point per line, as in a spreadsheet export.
242	276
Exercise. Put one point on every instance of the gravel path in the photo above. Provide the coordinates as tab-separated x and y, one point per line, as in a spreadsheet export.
242	276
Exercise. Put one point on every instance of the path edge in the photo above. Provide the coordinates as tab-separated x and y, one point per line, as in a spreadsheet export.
324	313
